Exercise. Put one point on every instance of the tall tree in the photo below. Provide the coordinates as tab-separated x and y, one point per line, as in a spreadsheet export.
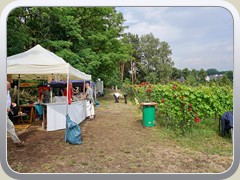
18	35
176	73
185	72
127	51
89	38
229	74
202	74
212	71
156	63
131	69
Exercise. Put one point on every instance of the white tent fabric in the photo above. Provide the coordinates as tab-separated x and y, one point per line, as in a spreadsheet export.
39	63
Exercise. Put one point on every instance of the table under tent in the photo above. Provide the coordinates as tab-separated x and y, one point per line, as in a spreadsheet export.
40	64
77	85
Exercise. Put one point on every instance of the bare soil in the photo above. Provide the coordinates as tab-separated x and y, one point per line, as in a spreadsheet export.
115	142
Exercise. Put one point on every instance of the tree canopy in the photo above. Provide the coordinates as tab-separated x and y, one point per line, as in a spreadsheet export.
92	39
87	37
212	71
156	63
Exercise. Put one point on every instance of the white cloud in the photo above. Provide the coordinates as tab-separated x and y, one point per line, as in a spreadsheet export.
199	37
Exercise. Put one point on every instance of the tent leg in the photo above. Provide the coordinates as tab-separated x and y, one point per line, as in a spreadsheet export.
65	139
18	90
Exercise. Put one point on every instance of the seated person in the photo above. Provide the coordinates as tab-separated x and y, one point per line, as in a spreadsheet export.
116	97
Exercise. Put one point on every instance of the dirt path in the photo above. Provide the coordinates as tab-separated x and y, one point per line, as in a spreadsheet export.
116	142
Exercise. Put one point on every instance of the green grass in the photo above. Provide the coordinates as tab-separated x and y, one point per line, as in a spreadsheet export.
204	137
72	162
84	163
49	168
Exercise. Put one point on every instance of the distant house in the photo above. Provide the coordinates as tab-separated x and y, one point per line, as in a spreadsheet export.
207	78
213	77
182	79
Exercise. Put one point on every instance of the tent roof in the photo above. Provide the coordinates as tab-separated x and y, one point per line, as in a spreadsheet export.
39	63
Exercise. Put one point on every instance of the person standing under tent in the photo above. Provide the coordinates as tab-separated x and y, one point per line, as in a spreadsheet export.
90	102
45	96
70	92
10	126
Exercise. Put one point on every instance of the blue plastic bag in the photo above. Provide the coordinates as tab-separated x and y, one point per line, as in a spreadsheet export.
97	104
39	109
73	132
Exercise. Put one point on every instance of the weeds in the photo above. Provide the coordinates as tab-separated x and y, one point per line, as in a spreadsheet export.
204	137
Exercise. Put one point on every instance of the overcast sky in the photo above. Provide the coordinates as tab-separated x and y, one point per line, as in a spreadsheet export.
200	37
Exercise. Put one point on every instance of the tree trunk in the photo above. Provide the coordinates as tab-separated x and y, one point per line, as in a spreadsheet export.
135	78
132	71
122	71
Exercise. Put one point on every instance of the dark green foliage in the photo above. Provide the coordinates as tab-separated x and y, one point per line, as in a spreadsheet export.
212	71
87	38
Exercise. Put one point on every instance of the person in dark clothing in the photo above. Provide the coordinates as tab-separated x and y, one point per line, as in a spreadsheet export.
45	96
226	122
125	98
61	91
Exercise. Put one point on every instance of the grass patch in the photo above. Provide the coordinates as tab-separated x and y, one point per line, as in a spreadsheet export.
49	168
20	167
84	163
127	152
101	155
72	162
204	137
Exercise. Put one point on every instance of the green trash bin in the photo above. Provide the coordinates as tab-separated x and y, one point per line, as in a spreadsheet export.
148	116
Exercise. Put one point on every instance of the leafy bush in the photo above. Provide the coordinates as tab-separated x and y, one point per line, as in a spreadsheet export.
182	106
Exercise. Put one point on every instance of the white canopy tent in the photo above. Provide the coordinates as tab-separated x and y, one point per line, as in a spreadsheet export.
39	63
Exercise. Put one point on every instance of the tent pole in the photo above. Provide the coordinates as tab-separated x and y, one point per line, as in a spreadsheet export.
18	89
65	138
84	86
67	93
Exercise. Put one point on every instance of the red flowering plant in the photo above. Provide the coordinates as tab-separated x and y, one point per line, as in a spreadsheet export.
143	92
182	106
129	90
148	92
197	119
187	115
179	107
